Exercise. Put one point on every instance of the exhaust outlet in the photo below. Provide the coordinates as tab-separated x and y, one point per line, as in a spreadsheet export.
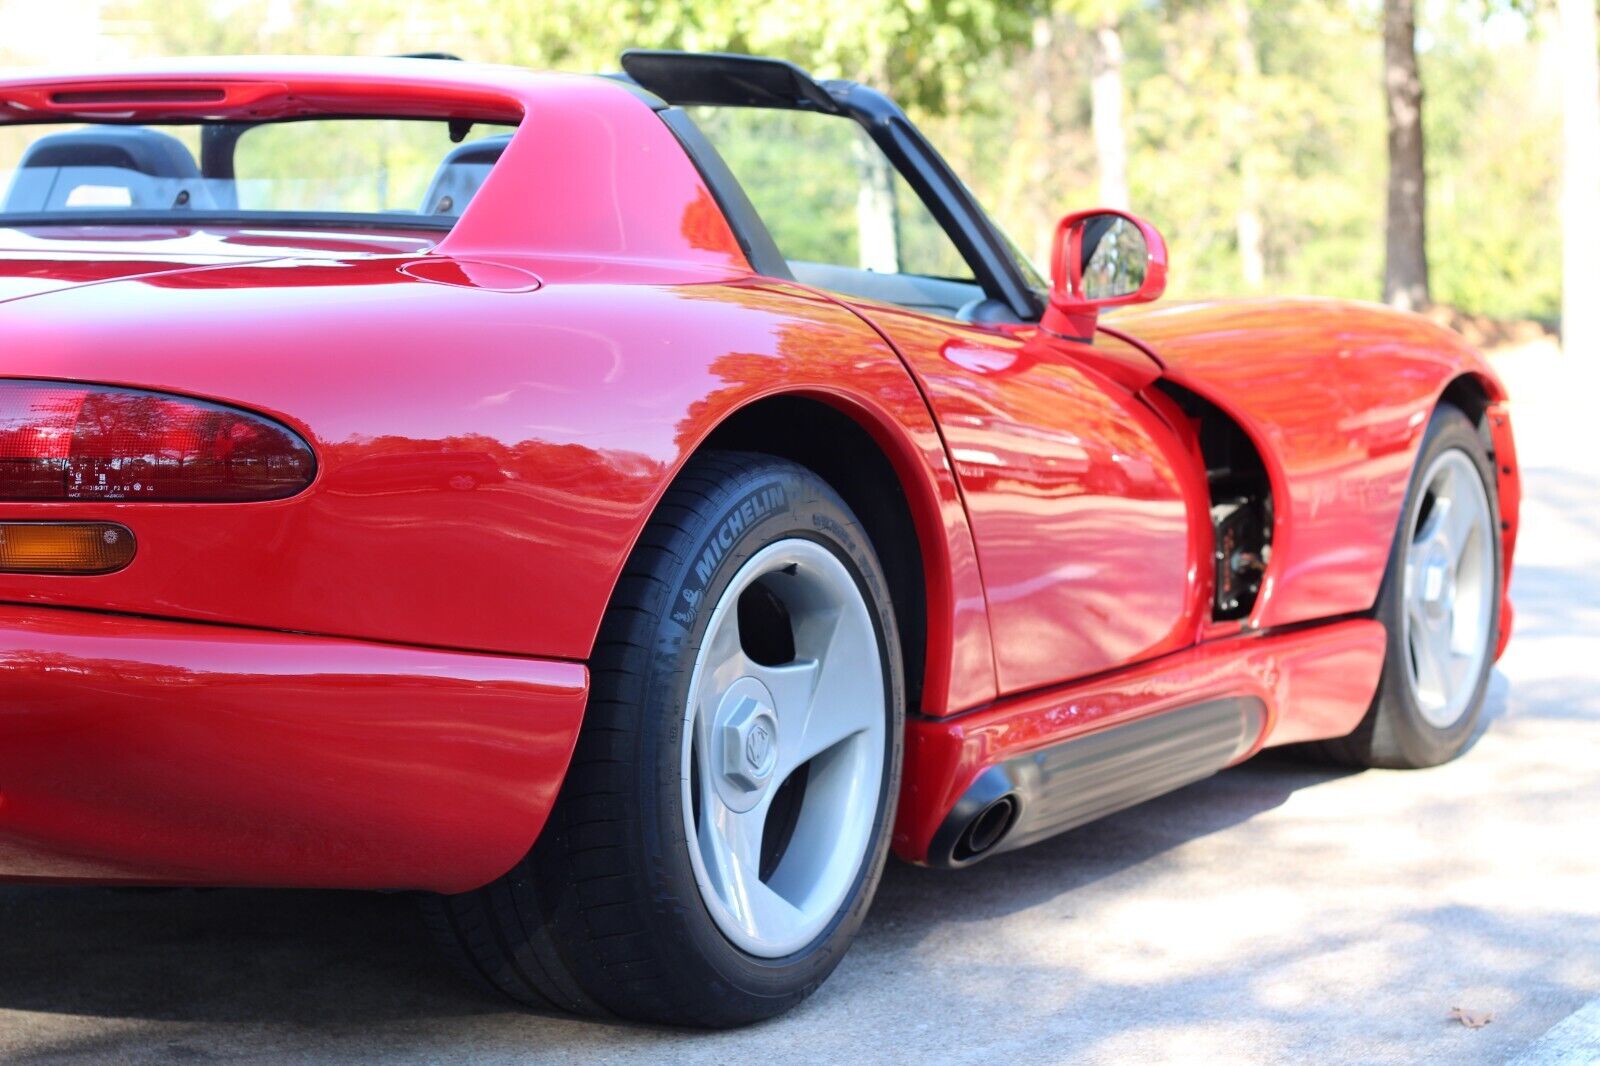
980	821
986	830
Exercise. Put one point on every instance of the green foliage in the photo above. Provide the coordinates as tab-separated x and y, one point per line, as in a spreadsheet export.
1002	87
1494	241
803	174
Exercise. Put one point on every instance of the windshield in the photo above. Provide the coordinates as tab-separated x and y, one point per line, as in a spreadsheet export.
365	170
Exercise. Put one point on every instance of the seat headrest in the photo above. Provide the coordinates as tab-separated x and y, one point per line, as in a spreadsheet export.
462	173
145	151
107	166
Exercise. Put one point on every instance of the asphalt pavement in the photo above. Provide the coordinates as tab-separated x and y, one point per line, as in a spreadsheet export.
1275	913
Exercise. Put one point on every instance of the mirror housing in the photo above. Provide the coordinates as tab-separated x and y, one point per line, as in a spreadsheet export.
1101	258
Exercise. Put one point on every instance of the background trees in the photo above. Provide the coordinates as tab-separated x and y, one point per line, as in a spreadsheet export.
1405	268
1257	133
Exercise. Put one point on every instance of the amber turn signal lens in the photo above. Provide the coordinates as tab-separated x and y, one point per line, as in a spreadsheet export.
64	547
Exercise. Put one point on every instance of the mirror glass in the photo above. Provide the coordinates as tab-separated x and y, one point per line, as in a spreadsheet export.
1115	258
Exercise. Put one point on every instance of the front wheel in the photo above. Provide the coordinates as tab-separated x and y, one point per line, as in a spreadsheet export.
1440	603
726	817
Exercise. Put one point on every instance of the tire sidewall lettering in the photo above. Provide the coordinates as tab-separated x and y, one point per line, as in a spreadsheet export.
739	521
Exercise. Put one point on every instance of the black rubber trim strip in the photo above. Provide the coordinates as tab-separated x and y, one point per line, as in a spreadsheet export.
752	234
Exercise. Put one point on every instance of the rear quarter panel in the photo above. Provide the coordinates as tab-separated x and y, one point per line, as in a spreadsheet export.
487	458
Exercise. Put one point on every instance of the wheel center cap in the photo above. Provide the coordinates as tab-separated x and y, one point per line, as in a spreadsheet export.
744	738
758	747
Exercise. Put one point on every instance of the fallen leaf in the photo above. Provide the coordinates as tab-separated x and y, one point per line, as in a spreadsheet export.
1472	1019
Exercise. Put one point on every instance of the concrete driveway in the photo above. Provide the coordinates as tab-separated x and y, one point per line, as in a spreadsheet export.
1274	913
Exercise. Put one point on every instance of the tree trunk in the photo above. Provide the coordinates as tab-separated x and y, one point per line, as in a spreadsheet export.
1105	100
1580	179
877	221
1248	227
1405	272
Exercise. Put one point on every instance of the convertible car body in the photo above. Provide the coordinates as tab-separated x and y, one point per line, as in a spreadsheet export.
316	511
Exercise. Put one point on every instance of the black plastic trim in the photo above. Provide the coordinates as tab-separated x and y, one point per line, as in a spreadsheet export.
1077	781
754	238
719	79
954	207
725	79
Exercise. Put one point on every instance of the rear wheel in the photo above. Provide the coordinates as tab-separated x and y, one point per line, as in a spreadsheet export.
1440	603
726	817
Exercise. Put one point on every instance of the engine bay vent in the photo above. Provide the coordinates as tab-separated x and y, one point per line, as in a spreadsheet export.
1241	504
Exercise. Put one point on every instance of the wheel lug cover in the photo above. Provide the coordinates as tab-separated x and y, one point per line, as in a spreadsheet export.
746	737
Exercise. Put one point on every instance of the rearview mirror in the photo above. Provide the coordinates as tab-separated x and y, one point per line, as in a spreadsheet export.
1102	258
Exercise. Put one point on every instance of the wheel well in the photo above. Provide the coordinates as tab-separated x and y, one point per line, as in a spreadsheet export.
841	452
1467	393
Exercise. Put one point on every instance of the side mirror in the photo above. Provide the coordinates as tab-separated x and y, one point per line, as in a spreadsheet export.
1102	258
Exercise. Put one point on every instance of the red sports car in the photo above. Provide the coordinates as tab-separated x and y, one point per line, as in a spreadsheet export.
623	509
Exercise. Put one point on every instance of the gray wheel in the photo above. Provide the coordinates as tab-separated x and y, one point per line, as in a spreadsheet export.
783	762
1450	589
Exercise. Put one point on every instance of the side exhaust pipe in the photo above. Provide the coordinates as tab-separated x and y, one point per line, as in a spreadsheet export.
986	830
1030	797
978	822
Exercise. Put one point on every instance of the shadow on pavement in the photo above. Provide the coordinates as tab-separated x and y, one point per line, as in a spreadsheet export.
307	957
222	956
912	897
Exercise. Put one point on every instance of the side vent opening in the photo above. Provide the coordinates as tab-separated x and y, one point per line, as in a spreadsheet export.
1241	504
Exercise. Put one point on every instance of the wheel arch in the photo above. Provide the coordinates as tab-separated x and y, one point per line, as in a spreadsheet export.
1467	392
1483	400
1473	393
874	470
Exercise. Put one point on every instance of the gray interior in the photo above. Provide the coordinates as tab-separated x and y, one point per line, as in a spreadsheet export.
132	168
462	174
964	300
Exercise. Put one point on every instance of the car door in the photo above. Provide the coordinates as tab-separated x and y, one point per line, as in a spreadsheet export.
1073	492
1071	480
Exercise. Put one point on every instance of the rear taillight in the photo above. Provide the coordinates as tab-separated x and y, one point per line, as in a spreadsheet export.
60	441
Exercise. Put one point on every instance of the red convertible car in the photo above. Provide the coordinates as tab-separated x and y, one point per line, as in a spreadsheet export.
623	509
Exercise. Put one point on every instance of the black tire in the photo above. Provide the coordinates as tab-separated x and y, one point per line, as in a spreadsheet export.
1394	734
604	916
